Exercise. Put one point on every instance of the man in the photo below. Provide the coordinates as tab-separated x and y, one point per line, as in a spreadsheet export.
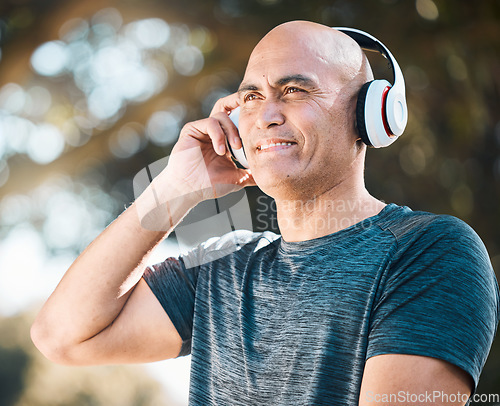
367	304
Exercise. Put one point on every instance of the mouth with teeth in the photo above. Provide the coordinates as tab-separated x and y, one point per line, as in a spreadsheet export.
274	145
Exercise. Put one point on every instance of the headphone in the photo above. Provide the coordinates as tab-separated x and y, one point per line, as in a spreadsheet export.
381	111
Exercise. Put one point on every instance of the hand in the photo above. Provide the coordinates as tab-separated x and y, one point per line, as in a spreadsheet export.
200	165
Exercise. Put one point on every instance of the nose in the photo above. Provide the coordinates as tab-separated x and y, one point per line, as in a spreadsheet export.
269	114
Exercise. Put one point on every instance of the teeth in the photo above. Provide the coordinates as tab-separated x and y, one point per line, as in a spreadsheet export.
266	146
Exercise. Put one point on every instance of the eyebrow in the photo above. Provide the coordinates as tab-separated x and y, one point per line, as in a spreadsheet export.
297	78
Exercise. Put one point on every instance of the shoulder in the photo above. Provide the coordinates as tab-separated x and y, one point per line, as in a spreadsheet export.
438	246
234	242
418	227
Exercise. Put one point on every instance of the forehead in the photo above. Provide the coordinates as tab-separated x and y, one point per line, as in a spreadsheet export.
273	60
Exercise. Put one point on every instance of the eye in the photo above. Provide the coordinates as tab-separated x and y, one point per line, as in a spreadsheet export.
250	97
290	90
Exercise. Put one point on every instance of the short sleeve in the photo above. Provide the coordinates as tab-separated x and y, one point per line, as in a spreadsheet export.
174	288
174	281
439	298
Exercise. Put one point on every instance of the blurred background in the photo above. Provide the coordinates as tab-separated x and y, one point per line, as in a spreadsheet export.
93	91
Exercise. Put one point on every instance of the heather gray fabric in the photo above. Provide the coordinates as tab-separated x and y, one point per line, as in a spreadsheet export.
292	323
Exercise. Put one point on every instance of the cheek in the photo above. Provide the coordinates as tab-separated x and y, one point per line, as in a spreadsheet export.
308	121
333	143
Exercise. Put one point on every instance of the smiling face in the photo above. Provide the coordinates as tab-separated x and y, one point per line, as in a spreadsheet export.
297	110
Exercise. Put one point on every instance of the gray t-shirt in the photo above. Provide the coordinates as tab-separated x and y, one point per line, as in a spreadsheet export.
292	323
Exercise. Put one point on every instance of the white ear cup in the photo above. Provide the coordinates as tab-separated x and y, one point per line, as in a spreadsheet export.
235	116
237	154
396	111
374	111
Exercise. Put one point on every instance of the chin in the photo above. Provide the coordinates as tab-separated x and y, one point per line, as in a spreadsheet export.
283	184
269	178
279	183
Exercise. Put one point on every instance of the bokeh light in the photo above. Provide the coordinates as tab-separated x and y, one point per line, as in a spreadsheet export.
163	127
149	33
427	9
45	143
50	59
188	60
127	141
12	98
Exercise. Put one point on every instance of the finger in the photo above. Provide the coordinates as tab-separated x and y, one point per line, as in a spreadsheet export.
208	127
226	104
216	133
230	129
221	110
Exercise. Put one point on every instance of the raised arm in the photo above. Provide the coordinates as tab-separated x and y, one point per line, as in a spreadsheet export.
102	311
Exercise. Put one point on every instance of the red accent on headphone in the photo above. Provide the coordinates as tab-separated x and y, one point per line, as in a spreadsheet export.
384	113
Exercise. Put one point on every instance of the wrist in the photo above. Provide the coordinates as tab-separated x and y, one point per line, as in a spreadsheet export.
161	207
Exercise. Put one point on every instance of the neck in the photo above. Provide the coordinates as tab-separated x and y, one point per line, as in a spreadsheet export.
338	208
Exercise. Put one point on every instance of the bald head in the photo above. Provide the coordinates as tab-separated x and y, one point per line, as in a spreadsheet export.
330	48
